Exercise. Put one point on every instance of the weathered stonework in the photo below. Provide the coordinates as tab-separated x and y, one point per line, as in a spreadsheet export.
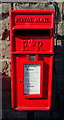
5	67
5	28
5	49
6	7
31	6
60	31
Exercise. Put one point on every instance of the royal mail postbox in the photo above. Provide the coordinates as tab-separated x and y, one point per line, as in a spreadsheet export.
32	52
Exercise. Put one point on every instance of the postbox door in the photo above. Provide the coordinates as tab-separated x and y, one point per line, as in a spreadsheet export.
39	92
30	78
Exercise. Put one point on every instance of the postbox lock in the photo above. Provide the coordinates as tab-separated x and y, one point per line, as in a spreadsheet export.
20	81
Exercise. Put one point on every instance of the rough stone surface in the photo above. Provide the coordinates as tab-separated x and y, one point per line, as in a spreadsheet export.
5	49
39	6
5	28
6	7
60	30
60	5
6	67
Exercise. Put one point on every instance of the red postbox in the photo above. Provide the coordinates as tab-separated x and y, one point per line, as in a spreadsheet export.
32	51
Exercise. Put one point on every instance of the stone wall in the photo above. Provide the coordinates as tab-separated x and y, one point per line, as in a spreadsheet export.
6	7
58	94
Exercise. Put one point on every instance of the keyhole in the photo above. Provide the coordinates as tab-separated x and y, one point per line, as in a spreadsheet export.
20	81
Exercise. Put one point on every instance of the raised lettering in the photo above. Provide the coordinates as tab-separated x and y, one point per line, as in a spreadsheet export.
32	20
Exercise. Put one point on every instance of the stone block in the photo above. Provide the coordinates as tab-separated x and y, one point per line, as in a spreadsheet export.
5	67
32	6
5	49
5	7
60	29
5	29
20	6
60	5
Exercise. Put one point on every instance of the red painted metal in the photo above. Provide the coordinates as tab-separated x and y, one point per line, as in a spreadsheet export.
31	33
